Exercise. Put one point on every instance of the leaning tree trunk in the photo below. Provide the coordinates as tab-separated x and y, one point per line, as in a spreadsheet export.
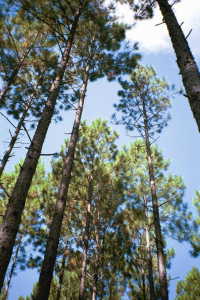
13	266
185	60
156	217
149	256
13	140
15	72
86	238
46	273
10	226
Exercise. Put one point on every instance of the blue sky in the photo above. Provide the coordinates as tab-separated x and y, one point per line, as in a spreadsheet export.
180	141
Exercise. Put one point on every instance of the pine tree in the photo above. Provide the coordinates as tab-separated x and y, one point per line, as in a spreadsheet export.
189	288
97	48
143	105
15	208
185	59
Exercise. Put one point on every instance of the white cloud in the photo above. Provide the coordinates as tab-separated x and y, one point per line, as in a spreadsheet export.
154	38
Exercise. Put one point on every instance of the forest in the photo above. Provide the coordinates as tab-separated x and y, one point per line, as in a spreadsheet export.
103	212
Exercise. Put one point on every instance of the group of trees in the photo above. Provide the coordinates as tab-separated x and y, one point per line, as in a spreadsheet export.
97	223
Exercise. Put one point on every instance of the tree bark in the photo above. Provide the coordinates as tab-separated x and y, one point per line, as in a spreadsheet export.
156	217
61	277
149	256
86	238
144	286
10	226
46	273
185	60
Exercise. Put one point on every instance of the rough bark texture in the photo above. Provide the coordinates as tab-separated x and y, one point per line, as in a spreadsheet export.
185	60
46	273
10	226
156	217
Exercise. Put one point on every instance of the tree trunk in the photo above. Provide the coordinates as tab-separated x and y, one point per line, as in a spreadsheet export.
94	291
13	140
17	200
86	238
61	277
15	72
13	267
144	286
185	60
149	256
83	275
156	217
55	228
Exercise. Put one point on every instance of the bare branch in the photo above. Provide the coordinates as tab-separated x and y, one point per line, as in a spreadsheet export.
7	119
4	189
188	34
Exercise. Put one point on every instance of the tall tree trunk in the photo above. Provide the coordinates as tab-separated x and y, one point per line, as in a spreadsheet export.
156	217
13	140
185	60
10	226
86	238
149	256
55	228
61	277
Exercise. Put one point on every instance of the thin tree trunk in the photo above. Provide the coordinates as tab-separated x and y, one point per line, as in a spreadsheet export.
156	216
83	275
94	291
15	72
149	256
12	220
86	238
55	228
144	286
13	140
185	60
13	267
61	277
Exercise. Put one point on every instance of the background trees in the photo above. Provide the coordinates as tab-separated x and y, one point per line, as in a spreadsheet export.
111	193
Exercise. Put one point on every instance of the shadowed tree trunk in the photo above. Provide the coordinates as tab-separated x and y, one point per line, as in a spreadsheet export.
185	60
61	277
12	220
156	217
46	273
86	237
144	286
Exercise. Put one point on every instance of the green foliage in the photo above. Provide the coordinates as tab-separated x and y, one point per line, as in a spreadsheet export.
195	238
144	88
189	288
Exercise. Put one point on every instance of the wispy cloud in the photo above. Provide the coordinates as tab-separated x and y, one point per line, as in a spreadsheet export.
154	38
